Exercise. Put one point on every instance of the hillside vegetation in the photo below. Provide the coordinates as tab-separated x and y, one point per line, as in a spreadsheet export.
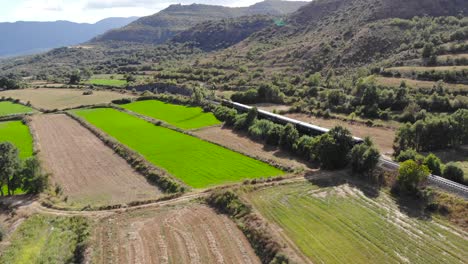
165	24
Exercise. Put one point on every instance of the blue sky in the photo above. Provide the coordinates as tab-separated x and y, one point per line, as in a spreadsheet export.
92	10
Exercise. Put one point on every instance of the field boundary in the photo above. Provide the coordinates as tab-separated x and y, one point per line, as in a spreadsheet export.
162	178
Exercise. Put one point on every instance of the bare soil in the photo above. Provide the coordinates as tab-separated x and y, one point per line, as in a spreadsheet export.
239	141
60	98
383	137
88	171
190	233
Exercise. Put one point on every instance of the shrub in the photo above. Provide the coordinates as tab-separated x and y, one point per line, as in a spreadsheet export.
333	148
433	163
225	114
410	175
364	157
289	136
409	154
274	135
260	129
453	172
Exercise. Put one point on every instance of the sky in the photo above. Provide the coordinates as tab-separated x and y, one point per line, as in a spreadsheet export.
91	11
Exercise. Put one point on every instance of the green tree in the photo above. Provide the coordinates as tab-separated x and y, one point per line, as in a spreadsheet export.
333	148
433	163
9	164
33	181
453	172
75	77
364	157
289	136
411	174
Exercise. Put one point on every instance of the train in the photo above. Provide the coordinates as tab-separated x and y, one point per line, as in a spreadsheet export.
301	126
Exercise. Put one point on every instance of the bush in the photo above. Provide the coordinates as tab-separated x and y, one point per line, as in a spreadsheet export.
364	157
260	129
333	148
453	172
409	154
225	114
410	175
289	137
274	135
433	163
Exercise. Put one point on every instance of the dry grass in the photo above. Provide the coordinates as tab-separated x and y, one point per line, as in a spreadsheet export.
382	137
190	233
50	99
87	170
239	141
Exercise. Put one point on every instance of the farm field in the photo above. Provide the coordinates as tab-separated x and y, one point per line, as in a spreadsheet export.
18	134
395	82
383	137
196	162
49	98
190	233
45	239
181	116
9	108
336	224
87	170
108	82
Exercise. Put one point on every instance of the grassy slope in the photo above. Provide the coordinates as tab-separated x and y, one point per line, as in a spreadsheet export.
196	162
9	108
184	117
18	134
44	239
339	225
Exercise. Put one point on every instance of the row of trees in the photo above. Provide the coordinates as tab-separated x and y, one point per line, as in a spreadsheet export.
433	133
334	150
449	171
17	174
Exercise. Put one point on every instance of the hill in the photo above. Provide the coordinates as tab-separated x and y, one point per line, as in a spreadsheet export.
338	33
32	37
160	27
221	34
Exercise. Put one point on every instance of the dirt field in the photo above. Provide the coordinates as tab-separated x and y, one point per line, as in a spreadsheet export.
383	137
182	234
61	98
239	141
86	169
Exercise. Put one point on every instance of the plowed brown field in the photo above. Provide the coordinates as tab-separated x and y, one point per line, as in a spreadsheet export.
239	141
59	98
190	233
86	169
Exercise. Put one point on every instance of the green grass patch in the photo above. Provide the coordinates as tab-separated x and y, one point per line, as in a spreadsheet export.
18	134
9	108
196	162
340	224
108	82
184	117
47	239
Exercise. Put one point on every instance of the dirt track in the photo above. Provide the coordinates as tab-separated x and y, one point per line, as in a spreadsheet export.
86	169
190	233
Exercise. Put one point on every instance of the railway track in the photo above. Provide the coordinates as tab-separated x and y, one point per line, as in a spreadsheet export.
435	180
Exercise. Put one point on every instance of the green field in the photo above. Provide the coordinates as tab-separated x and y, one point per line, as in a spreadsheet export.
108	82
196	162
184	117
18	134
341	225
45	239
9	108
